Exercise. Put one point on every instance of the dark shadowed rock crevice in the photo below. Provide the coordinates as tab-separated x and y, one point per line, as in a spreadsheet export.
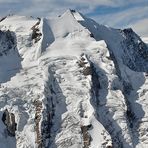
135	51
95	101
45	116
7	41
132	119
105	118
8	48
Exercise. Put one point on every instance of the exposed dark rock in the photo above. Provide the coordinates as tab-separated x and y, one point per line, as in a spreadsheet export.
109	146
7	42
72	10
128	31
86	68
91	35
9	120
86	136
43	127
87	71
36	34
38	105
135	51
82	63
3	18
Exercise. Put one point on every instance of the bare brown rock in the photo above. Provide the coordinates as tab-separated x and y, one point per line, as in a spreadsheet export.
86	136
87	71
38	105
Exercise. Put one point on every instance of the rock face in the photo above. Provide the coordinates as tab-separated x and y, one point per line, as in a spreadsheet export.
7	42
9	121
86	136
38	105
135	51
69	82
36	34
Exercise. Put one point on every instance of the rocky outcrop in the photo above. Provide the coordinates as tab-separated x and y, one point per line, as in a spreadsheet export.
86	68
38	106
135	51
1	19
7	42
86	136
9	121
36	34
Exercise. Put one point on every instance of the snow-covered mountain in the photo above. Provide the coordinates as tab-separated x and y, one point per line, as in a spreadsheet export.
70	82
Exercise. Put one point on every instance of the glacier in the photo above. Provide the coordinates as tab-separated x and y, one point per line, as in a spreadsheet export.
69	82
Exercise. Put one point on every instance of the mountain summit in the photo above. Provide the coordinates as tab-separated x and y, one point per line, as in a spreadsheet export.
70	82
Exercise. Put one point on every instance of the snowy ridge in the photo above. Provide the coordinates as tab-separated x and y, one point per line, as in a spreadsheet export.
69	82
145	40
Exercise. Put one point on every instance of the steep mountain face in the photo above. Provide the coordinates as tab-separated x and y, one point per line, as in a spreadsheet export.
69	82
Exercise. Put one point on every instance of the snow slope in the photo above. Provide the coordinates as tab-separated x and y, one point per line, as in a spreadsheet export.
145	40
69	82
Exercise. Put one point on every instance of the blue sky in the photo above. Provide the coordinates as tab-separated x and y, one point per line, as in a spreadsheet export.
114	13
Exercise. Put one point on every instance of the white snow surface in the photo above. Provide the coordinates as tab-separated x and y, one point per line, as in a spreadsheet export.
49	71
145	39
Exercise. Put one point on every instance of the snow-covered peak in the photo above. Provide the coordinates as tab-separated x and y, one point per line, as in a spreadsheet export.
65	24
74	13
70	82
68	12
78	16
45	33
